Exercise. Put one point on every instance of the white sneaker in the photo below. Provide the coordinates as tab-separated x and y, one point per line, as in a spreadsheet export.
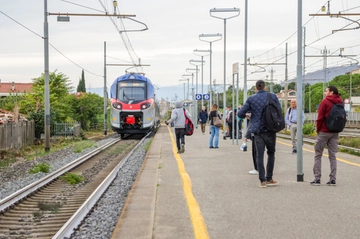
254	172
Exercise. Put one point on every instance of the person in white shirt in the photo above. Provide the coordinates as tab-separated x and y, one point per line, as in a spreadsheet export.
291	121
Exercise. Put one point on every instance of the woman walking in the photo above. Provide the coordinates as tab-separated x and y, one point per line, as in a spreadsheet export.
214	131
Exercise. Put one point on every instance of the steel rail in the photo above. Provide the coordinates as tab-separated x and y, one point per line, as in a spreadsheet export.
24	192
70	226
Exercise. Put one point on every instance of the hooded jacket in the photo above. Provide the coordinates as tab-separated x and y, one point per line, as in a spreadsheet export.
177	115
324	110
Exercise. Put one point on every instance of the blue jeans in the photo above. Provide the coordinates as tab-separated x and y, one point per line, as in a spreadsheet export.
268	140
214	131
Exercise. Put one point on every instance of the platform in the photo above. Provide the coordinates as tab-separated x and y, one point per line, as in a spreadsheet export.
209	193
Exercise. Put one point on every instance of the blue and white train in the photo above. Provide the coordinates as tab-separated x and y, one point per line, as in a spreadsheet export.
133	106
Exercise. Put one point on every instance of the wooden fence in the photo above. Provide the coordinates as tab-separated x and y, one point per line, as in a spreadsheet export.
17	135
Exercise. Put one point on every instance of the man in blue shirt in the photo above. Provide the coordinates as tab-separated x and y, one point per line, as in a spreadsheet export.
291	121
262	137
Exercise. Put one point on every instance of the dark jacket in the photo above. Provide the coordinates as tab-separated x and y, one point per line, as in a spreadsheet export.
255	104
324	110
203	116
213	114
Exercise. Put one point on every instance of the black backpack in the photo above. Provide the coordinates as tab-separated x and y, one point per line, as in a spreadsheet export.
272	115
336	120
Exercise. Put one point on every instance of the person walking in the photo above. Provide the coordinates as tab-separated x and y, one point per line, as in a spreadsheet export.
232	123
178	118
202	118
253	148
291	121
263	138
326	137
214	130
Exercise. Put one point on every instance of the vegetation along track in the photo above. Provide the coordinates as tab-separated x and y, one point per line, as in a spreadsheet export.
44	212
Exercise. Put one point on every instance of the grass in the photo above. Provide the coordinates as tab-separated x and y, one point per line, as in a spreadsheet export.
8	157
53	207
41	167
72	178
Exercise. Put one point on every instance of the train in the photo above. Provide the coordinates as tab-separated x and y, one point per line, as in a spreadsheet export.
133	109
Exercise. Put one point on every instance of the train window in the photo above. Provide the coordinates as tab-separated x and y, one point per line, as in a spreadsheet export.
127	94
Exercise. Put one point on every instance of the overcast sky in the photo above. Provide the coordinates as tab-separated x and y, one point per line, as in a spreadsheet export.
172	35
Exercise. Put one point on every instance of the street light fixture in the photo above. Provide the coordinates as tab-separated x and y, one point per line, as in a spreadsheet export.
210	38
196	63
202	53
186	79
235	12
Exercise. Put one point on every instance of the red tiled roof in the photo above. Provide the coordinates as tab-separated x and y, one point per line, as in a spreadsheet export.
18	87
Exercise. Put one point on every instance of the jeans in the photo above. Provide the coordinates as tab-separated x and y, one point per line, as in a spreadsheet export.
331	140
179	133
214	133
265	139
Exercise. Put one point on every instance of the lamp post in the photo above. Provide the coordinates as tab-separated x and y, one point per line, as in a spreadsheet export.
196	63
202	53
210	38
236	12
187	79
192	79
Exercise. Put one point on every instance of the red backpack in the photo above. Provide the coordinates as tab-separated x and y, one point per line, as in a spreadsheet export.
189	126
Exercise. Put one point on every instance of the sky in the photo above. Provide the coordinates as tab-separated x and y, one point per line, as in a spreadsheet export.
164	34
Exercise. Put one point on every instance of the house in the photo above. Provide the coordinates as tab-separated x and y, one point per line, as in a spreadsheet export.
7	88
291	95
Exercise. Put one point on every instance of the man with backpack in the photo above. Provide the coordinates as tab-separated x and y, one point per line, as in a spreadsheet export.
263	137
291	121
326	136
178	117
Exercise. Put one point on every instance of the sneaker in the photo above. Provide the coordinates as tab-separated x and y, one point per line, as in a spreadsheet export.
179	152
254	172
211	147
182	148
294	151
331	183
272	183
315	183
262	185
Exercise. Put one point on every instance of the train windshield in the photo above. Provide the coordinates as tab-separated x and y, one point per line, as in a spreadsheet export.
132	92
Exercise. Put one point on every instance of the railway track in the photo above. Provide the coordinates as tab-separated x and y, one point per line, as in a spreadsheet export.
52	208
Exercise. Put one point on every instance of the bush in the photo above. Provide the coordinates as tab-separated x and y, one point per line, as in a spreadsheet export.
72	178
309	129
41	167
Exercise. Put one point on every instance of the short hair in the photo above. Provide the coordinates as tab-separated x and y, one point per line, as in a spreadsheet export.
333	89
260	85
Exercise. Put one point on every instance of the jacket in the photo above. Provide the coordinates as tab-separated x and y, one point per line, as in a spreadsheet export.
203	116
324	110
213	114
255	104
177	115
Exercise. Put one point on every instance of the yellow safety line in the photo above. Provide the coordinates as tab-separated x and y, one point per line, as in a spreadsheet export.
326	155
199	226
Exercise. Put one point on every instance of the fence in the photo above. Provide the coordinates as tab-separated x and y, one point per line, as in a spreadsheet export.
66	129
353	118
17	135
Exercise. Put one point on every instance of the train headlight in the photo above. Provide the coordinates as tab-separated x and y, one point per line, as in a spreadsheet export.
145	106
117	105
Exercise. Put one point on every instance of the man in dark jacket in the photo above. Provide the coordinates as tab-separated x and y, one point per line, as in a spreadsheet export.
262	137
325	137
202	118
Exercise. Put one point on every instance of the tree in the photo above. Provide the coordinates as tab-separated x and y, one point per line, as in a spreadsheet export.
34	103
81	86
86	108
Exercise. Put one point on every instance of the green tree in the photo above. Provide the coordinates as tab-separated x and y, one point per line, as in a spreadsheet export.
81	86
34	104
86	108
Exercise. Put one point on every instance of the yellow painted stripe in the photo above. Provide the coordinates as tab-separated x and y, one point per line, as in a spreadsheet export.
326	155
199	226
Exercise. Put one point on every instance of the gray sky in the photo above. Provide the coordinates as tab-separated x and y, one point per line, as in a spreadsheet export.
172	35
